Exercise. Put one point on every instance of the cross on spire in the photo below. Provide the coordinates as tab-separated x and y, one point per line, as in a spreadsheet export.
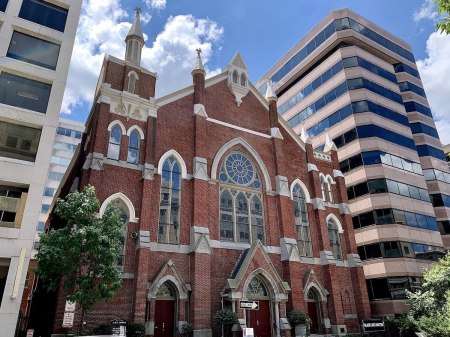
138	10
199	51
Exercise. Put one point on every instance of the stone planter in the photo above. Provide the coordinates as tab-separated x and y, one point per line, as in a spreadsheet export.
300	330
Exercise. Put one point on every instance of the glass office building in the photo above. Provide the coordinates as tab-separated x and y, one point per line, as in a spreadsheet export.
360	84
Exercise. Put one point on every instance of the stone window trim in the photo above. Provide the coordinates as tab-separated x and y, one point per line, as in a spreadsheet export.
178	157
301	220
334	230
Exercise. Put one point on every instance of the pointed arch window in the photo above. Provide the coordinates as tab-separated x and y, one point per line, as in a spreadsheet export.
241	206
133	147
125	218
132	83
322	187
235	77
169	207
256	288
115	137
330	190
335	242
243	80
301	221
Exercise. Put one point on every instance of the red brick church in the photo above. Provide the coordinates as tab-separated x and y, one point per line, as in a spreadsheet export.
224	203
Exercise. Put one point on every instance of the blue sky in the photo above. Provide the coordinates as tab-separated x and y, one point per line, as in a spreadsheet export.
261	30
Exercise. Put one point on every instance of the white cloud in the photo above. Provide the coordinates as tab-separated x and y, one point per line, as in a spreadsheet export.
172	54
435	73
102	29
156	4
428	10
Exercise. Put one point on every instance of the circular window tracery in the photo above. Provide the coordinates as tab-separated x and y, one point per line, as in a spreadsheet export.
238	169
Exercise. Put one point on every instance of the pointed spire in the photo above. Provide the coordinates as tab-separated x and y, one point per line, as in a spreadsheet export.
135	40
198	66
136	29
304	135
329	144
270	95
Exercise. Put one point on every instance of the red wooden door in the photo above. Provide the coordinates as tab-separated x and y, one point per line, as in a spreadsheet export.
164	318
259	320
312	313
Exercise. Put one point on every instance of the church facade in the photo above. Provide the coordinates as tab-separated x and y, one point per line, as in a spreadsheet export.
222	203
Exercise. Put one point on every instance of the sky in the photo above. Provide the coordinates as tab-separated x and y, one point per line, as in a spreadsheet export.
261	30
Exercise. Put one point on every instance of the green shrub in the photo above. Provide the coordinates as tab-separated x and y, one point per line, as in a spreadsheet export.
102	329
136	330
225	316
296	317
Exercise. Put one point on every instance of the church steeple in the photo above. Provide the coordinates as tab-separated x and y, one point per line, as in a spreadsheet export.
135	40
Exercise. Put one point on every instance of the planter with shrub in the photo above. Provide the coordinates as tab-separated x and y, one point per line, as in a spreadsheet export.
299	321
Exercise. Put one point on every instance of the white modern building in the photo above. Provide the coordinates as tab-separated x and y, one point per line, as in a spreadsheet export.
36	42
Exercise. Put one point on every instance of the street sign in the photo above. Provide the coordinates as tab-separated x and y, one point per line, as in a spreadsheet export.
68	319
70	306
252	305
372	325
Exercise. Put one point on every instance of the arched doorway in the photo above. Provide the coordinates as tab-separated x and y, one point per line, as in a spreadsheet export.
314	310
165	310
259	320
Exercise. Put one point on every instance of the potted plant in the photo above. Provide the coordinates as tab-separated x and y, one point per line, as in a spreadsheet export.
226	318
299	321
187	329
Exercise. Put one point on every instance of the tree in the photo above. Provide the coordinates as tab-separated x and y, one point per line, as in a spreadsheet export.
430	305
444	22
82	255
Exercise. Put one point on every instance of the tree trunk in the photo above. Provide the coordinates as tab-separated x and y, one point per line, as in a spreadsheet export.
80	330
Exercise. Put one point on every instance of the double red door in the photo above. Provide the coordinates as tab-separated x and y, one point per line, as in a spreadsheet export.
313	315
259	320
164	318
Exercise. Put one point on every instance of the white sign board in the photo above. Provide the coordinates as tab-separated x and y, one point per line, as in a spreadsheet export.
30	332
248	332
68	319
70	306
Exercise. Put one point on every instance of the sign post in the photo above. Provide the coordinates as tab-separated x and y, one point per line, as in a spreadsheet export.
373	325
69	314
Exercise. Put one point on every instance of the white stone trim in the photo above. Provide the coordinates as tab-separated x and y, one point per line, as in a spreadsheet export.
333	217
120	124
247	146
125	200
212	120
181	294
267	277
135	127
132	72
329	179
303	187
174	153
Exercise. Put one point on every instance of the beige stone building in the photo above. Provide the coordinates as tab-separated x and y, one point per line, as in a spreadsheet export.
352	82
36	42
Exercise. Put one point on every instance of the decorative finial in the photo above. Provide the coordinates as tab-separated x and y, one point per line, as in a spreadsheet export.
199	51
138	10
198	66
270	95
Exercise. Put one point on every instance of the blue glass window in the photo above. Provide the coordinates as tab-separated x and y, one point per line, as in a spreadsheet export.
423	128
44	13
427	150
414	106
115	138
133	147
401	67
24	93
3	4
408	86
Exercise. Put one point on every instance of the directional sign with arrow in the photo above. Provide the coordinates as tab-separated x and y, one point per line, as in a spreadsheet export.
252	305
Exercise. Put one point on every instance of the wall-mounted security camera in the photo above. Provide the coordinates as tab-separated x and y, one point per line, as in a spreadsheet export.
134	235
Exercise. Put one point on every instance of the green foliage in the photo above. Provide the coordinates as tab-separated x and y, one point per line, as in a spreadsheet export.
401	326
444	22
136	330
430	305
102	329
187	327
83	253
296	317
225	316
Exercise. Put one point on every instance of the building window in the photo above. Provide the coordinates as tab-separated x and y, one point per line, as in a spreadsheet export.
335	242
124	217
235	77
59	161
133	147
55	176
322	187
301	221
44	13
243	80
4	268
49	192
68	132
40	226
330	190
132	83
24	93
18	141
3	4
33	50
115	137
241	207
169	207
12	201
45	208
64	146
